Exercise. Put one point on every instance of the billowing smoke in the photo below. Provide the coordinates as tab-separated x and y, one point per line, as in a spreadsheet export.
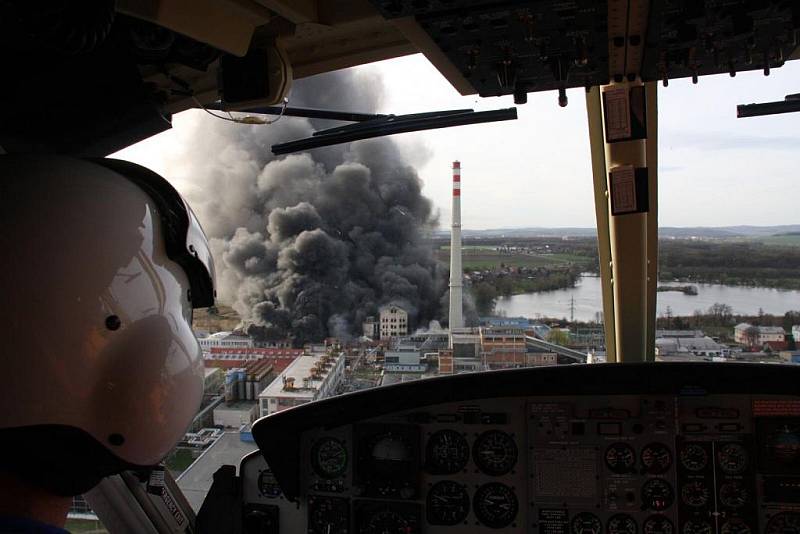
308	245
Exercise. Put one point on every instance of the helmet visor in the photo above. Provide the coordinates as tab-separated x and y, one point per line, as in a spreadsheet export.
185	241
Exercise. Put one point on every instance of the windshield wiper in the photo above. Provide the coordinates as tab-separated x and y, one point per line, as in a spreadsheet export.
372	125
394	124
790	104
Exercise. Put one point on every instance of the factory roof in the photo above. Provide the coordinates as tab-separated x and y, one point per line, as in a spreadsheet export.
679	333
228	335
687	344
299	369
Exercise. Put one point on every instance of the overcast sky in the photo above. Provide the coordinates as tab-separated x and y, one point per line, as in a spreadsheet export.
714	169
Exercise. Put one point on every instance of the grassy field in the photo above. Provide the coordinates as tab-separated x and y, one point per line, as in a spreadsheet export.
781	240
487	257
179	459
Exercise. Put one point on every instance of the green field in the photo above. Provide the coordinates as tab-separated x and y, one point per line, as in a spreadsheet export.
179	459
474	258
781	240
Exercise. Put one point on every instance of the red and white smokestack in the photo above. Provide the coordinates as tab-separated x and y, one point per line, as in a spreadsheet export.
456	271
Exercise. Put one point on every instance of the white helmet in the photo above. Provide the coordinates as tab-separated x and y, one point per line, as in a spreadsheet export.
102	264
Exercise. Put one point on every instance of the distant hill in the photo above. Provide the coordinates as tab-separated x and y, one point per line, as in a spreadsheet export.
665	231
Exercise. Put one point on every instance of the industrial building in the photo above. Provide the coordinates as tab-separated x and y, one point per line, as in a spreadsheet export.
394	322
223	340
403	359
227	358
675	348
309	377
502	347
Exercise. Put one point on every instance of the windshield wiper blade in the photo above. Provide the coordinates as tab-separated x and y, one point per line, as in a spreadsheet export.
790	104
309	113
394	124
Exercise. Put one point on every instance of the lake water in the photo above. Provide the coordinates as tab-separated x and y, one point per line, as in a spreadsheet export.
589	300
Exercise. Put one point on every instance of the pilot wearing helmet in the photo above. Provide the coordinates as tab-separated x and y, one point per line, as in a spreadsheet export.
102	265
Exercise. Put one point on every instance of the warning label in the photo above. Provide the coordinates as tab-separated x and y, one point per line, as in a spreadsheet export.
776	408
618	119
623	189
553	521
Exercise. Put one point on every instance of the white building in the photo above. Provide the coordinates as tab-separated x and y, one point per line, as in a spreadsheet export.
796	333
757	336
394	322
309	377
227	340
370	328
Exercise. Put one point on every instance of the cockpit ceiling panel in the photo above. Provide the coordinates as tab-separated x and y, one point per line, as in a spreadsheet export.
506	47
688	38
503	47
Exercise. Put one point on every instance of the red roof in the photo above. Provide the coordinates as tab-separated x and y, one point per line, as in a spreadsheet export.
273	352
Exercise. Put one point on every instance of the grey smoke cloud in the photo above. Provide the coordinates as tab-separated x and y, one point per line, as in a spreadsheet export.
310	244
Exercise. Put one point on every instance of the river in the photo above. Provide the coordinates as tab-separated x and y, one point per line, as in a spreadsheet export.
588	300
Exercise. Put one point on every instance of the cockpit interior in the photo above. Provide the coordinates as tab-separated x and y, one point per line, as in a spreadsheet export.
626	447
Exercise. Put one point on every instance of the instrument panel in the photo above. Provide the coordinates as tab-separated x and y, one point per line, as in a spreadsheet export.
690	462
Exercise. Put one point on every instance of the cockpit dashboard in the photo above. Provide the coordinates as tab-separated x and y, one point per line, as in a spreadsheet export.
583	449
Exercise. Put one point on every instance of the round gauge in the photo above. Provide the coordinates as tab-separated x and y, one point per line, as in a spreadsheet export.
783	523
695	493
388	455
621	524
267	485
656	458
329	457
657	524
733	495
732	458
694	457
447	504
447	452
735	526
620	458
697	527
328	515
586	523
495	452
495	505
657	494
386	522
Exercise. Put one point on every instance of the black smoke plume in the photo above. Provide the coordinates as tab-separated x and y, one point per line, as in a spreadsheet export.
308	245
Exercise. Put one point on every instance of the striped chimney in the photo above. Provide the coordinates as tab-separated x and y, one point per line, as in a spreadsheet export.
456	271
